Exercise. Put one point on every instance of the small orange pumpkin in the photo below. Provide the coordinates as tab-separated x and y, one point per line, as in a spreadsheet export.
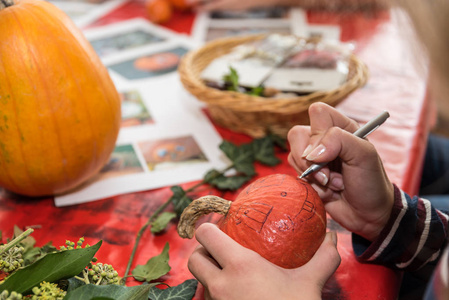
59	109
279	216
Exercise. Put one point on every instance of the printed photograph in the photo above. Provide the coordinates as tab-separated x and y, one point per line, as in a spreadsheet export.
123	161
134	111
150	65
123	41
216	33
171	153
258	13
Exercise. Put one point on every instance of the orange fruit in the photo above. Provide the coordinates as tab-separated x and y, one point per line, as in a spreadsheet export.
180	4
159	11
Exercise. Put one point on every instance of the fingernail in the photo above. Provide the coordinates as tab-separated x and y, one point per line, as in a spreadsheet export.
307	151
321	177
316	152
337	184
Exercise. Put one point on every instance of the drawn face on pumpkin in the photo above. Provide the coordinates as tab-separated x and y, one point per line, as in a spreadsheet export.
254	214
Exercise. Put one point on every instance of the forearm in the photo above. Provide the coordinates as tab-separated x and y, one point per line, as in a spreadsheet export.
414	236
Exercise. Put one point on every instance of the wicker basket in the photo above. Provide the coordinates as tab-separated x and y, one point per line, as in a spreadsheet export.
252	115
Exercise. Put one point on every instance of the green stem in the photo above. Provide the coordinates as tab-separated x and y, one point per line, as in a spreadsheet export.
15	241
139	235
153	217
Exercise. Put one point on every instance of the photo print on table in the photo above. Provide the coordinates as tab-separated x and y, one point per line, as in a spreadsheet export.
134	111
150	65
123	161
85	12
170	153
126	35
211	26
256	13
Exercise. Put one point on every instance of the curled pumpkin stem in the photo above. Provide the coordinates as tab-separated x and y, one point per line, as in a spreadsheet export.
200	207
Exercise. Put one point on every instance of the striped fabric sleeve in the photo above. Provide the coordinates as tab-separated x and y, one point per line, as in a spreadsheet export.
415	235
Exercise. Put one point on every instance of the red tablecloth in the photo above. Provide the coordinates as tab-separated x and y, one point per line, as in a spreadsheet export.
394	85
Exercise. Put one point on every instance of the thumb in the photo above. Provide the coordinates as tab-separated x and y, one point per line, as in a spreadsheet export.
325	261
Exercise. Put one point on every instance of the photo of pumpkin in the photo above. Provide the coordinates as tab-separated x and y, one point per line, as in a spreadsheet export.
171	153
151	64
157	62
279	216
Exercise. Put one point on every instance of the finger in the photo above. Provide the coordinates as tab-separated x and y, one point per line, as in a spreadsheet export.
220	246
325	261
203	266
322	118
298	138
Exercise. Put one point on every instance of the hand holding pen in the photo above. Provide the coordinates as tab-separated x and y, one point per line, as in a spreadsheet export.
357	193
362	132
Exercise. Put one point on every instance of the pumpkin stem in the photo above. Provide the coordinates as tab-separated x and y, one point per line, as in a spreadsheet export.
197	208
6	3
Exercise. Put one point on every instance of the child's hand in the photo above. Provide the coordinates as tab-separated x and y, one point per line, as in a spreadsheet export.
354	187
229	271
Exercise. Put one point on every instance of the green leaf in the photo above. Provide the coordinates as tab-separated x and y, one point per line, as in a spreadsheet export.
162	221
264	151
233	79
242	157
155	267
257	91
229	183
184	291
113	291
279	141
51	268
179	199
211	175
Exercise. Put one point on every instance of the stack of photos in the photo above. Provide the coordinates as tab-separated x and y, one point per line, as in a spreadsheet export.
85	12
282	20
165	137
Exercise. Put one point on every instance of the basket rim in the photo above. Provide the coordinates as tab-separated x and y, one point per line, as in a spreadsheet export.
250	103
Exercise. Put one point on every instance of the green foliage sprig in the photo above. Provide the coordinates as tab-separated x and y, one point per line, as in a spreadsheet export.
72	272
242	157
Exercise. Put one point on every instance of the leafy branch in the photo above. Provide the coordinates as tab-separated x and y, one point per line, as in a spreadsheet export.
242	159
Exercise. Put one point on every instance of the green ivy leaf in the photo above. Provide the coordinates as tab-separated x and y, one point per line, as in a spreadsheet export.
155	267
242	157
229	183
257	91
113	291
179	199
162	221
264	151
51	268
211	175
184	291
279	141
233	79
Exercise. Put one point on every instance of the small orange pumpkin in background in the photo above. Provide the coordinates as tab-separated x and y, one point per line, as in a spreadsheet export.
159	11
59	109
279	216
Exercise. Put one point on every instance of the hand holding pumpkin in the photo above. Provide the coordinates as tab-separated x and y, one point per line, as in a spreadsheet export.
354	188
228	270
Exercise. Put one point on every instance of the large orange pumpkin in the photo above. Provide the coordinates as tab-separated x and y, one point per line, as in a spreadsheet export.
59	109
279	216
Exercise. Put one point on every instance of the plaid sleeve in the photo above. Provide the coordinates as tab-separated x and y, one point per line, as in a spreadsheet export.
415	235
